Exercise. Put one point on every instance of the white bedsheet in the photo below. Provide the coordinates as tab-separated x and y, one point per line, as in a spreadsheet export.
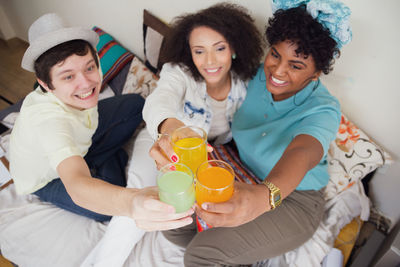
33	233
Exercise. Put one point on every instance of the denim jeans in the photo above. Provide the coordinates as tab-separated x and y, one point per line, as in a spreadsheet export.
119	117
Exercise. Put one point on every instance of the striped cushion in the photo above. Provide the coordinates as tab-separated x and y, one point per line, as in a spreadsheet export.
113	56
229	154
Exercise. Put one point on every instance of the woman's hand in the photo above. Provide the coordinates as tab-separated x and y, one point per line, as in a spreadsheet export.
247	203
151	214
162	151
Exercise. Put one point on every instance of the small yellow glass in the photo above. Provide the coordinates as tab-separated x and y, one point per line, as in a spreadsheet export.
190	144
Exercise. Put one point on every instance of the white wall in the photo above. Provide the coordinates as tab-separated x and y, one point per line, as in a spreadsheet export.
122	18
364	79
6	30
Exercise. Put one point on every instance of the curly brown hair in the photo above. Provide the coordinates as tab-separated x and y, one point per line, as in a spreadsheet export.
231	21
311	38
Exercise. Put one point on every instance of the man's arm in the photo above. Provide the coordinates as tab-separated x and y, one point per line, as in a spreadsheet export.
143	205
92	193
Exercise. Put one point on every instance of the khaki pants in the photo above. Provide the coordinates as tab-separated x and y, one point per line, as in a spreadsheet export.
269	235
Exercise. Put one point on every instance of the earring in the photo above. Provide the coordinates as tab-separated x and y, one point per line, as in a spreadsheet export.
233	56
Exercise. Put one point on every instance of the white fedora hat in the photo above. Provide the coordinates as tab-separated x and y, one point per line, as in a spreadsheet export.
48	31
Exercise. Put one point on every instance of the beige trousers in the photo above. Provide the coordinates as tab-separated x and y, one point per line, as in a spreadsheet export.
269	235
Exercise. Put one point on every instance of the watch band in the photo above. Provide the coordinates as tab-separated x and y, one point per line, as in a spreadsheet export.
275	198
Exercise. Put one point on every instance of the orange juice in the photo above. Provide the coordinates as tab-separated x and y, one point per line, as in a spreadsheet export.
191	151
214	184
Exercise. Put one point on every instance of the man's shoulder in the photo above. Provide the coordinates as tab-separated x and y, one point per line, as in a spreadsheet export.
40	102
37	98
35	114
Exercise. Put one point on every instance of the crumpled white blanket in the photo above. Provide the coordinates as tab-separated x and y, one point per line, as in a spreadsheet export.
33	233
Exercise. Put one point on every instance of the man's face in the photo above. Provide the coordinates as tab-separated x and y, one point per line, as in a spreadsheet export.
76	81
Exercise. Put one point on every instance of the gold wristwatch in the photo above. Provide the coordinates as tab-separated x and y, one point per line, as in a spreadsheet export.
275	198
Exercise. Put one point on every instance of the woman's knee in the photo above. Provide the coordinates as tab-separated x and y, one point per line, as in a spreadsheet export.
209	248
181	236
202	256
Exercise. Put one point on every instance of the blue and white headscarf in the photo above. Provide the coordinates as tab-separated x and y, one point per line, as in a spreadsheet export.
332	14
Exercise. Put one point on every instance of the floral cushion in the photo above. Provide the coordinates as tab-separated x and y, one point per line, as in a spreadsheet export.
352	155
140	80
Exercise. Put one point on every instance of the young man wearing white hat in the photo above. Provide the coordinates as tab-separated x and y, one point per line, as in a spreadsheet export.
65	146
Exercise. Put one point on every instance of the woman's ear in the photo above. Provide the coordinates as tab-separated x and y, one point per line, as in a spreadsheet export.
43	84
316	75
233	52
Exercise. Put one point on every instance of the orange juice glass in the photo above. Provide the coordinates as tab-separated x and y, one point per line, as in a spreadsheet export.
214	182
189	143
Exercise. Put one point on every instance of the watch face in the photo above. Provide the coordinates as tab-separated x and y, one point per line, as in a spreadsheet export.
277	198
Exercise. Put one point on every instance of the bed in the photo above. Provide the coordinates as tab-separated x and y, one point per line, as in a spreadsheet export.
33	233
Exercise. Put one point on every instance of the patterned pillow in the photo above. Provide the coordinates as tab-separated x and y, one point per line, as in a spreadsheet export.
140	80
154	32
353	155
113	56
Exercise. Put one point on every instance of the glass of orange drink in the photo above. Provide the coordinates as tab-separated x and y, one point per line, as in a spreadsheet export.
214	182
190	144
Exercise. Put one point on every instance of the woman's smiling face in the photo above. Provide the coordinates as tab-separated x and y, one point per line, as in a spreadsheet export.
286	71
211	54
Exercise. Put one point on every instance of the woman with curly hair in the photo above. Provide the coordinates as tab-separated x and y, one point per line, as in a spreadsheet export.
282	132
211	55
211	58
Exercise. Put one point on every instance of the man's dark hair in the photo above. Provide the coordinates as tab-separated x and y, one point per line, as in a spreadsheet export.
231	21
58	54
311	38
